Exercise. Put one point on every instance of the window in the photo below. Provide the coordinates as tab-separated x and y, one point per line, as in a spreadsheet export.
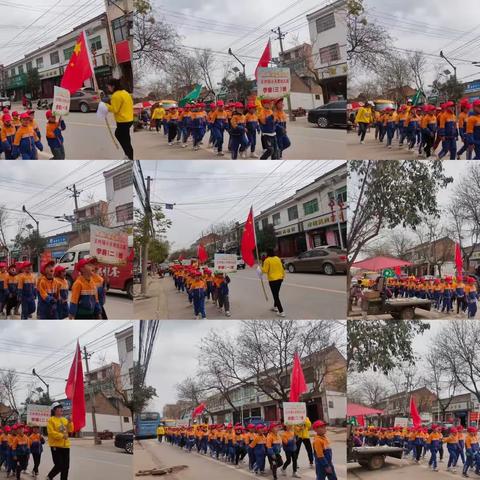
126	420
68	258
81	213
39	62
96	43
84	254
124	213
68	52
317	96
317	253
310	207
92	211
54	58
325	23
129	343
340	194
20	69
264	223
120	29
276	219
330	54
293	213
13	72
123	180
330	404
29	66
257	227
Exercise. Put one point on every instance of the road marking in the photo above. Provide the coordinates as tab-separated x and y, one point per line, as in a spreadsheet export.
321	289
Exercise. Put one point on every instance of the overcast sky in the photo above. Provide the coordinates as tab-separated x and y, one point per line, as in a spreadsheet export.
49	347
220	24
41	187
26	26
206	191
175	353
432	26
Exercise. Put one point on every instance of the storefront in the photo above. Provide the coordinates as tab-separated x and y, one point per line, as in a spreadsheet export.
324	230
472	90
49	79
16	86
290	241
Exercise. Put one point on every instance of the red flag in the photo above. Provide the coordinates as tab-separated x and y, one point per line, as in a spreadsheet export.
361	420
417	421
199	410
398	270
80	67
202	254
458	259
75	391
248	243
297	380
265	58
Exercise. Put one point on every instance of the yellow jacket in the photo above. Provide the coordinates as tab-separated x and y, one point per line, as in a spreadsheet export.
364	115
121	105
56	428
273	267
303	431
158	113
160	430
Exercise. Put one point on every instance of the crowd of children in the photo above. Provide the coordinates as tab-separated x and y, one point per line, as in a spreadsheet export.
423	128
417	442
242	123
21	292
20	135
17	443
444	293
201	286
278	444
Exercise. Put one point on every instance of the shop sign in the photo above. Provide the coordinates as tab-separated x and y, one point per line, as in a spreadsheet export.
319	222
287	230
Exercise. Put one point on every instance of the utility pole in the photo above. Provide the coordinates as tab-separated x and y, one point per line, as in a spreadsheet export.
450	63
92	397
146	236
43	381
75	195
280	36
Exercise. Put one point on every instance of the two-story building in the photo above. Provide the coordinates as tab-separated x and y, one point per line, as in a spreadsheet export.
328	36
93	213
119	188
460	409
125	357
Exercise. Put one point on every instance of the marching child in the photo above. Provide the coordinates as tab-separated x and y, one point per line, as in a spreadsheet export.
20	451
47	292
259	449
84	300
274	447
26	141
472	450
452	447
280	117
434	441
102	286
237	130
8	136
323	453
251	120
12	290
36	448
219	120
198	288
267	126
289	442
54	136
27	291
16	122
60	274
471	296
172	125
448	131
222	292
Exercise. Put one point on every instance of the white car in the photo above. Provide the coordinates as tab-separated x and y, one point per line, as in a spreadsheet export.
5	102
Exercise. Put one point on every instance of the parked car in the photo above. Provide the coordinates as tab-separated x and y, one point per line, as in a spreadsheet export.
85	100
320	259
240	263
125	440
105	435
330	114
5	102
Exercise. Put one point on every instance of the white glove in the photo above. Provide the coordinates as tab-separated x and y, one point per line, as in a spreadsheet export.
259	272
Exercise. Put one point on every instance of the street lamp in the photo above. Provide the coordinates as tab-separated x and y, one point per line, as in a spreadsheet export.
450	63
43	381
238	60
33	218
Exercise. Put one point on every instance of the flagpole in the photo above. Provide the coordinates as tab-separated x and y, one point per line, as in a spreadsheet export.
258	256
95	86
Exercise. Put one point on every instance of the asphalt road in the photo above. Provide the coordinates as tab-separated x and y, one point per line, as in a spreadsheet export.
118	307
86	136
373	150
308	142
90	462
151	454
400	469
303	296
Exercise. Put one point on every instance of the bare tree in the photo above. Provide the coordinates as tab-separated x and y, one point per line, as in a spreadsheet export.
394	74
368	388
9	383
418	65
207	64
183	73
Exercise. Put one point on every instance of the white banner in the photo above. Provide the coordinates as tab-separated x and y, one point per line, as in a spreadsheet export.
400	422
38	415
109	245
294	413
273	82
225	262
182	423
61	101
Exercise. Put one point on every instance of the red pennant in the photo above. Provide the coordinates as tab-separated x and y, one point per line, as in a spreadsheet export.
75	391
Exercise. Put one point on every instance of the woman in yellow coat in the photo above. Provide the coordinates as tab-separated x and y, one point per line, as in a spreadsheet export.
58	428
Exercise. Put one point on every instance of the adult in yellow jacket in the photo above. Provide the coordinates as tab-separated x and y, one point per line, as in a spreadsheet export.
160	433
58	428
363	119
157	116
302	432
273	268
121	105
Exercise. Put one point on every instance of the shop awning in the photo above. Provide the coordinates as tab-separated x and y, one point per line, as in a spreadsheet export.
356	410
380	263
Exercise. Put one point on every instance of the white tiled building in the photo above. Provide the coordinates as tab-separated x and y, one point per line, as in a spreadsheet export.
119	187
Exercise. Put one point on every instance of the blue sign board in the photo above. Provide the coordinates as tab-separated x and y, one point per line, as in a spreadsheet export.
472	86
57	241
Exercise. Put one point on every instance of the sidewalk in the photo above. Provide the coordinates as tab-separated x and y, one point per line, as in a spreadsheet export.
155	300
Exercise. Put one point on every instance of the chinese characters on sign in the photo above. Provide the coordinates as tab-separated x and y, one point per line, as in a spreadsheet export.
61	101
38	415
225	262
110	246
273	82
294	412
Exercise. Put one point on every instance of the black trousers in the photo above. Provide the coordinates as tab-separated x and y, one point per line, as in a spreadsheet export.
275	462
271	147
36	461
308	448
61	463
21	464
291	457
275	288
362	130
122	133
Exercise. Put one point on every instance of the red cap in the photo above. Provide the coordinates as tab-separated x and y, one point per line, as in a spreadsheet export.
26	264
45	265
448	104
7	118
49	114
24	115
476	103
238	105
220	103
3	264
318	424
266	100
82	262
58	269
251	105
15	114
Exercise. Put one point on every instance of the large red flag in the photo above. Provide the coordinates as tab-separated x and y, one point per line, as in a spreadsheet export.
416	419
361	420
80	67
297	380
198	410
75	391
202	254
458	259
248	244
265	58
